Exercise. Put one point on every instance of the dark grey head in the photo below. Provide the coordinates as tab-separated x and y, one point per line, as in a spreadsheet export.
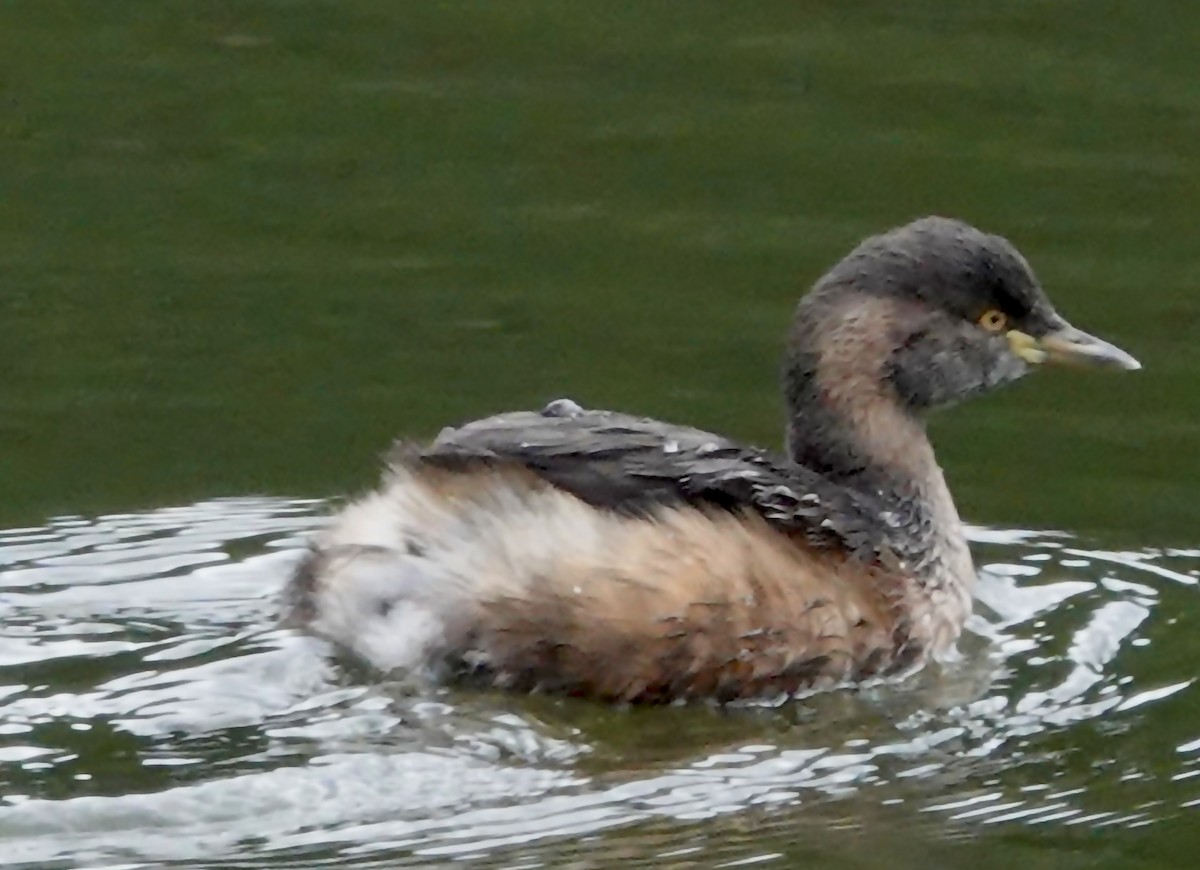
919	317
945	311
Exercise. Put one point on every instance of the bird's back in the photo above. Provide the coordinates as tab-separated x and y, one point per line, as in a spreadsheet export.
606	555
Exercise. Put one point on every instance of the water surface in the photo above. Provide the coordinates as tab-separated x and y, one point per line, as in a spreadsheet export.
153	712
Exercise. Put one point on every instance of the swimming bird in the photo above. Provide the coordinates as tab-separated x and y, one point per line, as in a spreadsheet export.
610	556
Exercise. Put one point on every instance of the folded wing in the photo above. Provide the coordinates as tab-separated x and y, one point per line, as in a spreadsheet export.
638	465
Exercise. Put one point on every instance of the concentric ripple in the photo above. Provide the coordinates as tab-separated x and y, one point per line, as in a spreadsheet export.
152	712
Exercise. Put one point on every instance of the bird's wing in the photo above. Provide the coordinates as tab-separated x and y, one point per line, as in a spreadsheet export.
636	465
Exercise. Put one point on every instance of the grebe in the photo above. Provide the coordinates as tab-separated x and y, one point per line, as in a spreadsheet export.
626	559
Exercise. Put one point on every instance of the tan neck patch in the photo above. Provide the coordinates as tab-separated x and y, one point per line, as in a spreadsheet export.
853	355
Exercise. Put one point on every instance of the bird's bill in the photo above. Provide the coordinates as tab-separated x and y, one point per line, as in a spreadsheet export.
1070	346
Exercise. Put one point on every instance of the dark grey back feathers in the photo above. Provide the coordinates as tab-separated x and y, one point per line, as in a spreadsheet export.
636	466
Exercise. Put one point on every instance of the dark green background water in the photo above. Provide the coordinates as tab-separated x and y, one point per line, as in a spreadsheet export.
245	244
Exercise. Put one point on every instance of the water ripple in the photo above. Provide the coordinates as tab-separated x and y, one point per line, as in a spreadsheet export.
151	711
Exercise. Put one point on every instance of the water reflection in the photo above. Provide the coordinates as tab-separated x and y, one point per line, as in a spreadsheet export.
150	710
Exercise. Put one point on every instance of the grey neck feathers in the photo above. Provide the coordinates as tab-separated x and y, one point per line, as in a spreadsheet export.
862	439
846	422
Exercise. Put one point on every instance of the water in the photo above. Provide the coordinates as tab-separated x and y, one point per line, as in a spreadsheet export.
152	712
245	244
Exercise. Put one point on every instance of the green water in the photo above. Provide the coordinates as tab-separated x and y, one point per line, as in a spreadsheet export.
245	244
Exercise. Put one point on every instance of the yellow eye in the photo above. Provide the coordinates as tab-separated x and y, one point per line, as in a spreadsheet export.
993	320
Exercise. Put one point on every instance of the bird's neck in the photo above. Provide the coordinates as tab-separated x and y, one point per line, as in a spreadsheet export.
858	435
870	444
845	417
846	423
